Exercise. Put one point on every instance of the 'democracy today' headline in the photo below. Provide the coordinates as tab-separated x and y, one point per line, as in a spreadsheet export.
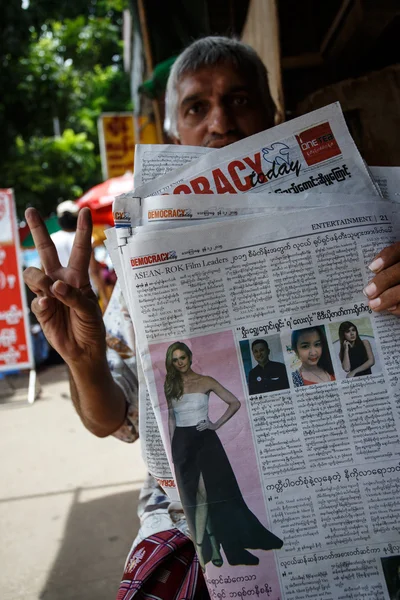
311	153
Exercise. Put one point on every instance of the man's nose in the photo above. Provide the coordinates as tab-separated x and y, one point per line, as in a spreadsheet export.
219	120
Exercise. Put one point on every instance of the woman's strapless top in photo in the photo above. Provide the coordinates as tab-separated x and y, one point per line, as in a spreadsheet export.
190	409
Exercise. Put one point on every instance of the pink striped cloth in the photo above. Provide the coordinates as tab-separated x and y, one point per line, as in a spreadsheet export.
164	566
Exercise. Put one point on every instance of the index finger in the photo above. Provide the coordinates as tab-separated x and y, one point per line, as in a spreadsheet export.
82	248
42	240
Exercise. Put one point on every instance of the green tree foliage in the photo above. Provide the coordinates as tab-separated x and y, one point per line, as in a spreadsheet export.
61	67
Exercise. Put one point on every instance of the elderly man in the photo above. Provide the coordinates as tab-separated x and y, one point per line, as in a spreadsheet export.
217	94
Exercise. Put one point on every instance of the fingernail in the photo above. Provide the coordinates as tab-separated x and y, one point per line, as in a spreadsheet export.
369	289
43	302
375	303
60	288
376	265
392	308
32	216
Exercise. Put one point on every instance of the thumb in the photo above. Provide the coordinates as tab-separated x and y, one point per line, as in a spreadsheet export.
43	308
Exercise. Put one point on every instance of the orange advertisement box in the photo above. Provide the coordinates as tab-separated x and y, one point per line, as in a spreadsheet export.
117	142
15	341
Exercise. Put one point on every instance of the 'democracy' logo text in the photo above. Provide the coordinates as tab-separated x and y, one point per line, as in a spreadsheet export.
152	259
121	215
169	213
318	144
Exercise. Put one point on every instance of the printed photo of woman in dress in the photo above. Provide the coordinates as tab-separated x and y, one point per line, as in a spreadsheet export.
217	514
311	348
356	355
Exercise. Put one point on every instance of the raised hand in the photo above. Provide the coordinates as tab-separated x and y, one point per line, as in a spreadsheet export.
65	305
383	291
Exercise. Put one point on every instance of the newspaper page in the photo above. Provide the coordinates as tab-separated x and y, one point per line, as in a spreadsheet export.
175	213
290	474
388	180
154	160
313	152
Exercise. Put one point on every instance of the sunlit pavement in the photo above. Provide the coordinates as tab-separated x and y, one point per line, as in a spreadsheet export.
67	499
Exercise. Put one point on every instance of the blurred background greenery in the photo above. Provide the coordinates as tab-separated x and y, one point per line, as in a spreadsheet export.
60	67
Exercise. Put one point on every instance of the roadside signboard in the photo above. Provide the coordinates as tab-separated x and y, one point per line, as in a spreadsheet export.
117	142
15	341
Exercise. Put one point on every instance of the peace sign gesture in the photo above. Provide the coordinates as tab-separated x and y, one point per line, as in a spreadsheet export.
65	305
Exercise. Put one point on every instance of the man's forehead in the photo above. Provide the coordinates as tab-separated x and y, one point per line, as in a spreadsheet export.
225	77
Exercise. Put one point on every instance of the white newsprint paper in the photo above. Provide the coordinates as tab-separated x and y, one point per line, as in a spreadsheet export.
314	152
199	207
165	210
280	408
154	160
388	180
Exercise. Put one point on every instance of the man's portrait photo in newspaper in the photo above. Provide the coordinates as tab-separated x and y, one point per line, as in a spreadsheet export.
355	348
264	365
310	359
200	390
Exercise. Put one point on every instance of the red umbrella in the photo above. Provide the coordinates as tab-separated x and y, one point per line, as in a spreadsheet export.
100	197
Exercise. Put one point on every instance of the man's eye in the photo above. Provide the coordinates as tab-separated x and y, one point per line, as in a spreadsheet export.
240	100
195	109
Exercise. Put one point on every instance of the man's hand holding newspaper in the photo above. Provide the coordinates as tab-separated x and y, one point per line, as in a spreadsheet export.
383	291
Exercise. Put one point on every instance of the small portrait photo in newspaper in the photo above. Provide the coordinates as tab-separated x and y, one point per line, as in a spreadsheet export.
391	572
202	402
264	365
355	349
308	356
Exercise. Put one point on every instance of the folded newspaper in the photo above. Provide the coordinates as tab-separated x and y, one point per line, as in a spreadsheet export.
269	389
313	152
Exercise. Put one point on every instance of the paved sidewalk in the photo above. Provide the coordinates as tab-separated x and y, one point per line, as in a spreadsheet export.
67	499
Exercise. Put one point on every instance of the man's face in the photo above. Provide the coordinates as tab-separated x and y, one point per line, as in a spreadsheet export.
218	106
261	353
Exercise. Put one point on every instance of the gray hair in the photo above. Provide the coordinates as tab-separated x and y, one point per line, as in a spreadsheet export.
211	51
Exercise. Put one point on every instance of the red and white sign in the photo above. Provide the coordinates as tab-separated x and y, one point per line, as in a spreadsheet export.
15	342
318	144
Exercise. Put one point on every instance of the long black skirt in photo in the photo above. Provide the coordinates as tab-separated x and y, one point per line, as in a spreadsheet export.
199	454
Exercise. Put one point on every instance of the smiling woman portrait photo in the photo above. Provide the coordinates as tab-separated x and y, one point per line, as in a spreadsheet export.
311	348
